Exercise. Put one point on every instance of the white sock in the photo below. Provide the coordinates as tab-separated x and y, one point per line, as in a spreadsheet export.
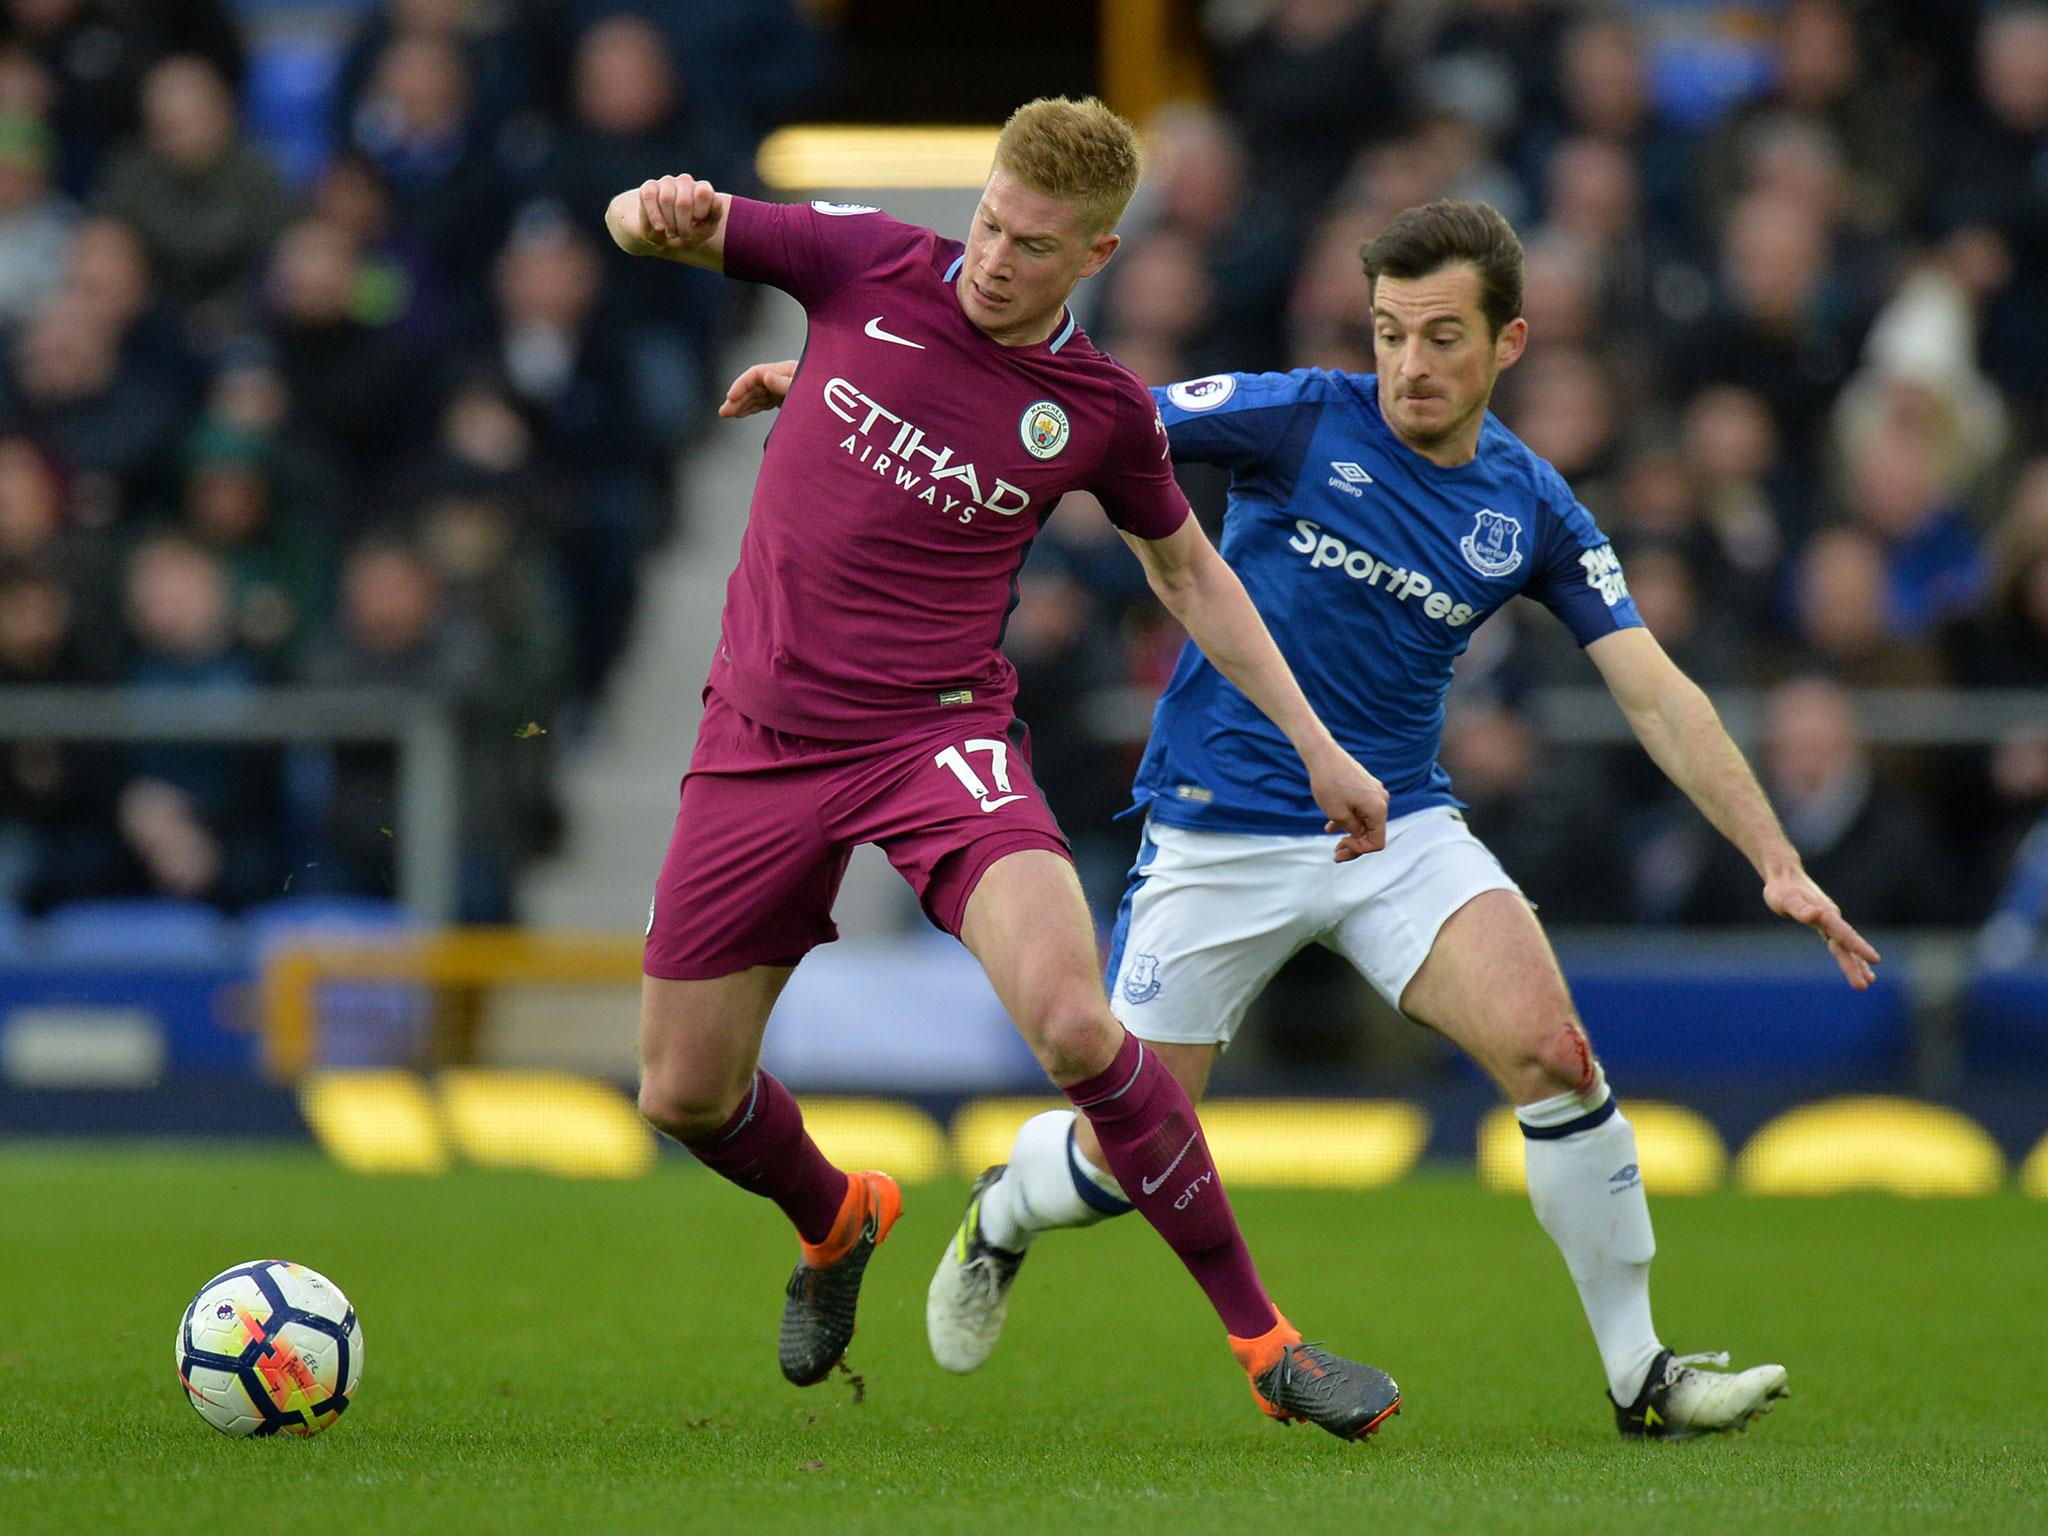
1048	1184
1580	1152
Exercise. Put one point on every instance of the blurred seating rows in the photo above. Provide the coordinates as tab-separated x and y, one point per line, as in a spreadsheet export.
317	366
1787	283
142	931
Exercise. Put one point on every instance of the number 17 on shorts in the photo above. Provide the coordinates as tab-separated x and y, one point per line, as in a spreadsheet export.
997	751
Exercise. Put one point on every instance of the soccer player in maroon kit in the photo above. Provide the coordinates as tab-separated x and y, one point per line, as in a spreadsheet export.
945	402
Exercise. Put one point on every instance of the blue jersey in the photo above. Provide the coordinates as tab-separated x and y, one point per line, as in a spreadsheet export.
1371	566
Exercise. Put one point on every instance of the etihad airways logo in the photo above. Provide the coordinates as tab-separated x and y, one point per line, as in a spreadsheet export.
898	452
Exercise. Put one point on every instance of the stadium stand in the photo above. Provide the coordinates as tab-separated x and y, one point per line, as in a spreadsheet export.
316	372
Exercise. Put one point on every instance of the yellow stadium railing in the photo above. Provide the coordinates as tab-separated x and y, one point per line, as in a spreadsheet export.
293	975
1151	54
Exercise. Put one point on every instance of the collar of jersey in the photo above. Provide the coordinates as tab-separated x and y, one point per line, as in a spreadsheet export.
1051	344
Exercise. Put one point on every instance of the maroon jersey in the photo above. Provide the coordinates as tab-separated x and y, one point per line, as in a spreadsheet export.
905	478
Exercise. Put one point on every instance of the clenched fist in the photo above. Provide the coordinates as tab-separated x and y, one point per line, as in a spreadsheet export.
678	210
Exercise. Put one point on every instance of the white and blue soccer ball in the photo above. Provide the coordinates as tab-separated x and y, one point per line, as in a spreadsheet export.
270	1348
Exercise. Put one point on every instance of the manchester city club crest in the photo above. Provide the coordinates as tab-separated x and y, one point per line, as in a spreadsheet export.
1493	547
1202	394
1043	427
1142	984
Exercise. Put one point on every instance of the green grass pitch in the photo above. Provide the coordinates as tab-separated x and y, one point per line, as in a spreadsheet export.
556	1357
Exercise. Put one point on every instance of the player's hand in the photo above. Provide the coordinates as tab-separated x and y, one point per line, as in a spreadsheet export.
762	387
677	211
1355	802
1794	895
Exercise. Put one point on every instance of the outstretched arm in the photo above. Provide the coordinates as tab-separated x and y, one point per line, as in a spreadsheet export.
677	218
1201	591
1678	727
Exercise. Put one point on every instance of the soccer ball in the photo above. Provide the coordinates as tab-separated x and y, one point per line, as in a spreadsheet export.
270	1347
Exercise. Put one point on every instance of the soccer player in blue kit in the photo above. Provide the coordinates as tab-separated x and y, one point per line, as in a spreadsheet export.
1375	521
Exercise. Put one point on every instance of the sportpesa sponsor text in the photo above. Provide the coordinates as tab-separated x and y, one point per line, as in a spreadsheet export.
1326	551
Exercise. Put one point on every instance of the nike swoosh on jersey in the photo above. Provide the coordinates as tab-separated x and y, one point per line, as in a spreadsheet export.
1151	1186
874	329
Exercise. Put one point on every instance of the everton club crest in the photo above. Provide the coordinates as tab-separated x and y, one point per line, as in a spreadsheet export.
1142	984
1043	428
1493	547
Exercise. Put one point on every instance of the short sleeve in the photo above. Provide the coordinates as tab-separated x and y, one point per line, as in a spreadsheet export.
1578	577
1236	420
1135	484
809	250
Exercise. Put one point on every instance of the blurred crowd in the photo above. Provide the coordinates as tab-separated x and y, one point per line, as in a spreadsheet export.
316	366
1787	290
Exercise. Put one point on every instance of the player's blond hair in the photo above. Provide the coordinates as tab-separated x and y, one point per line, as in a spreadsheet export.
1077	151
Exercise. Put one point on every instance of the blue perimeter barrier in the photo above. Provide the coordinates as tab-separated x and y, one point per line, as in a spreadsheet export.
1734	1013
1668	1017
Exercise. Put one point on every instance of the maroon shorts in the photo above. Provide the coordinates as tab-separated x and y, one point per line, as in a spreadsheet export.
768	821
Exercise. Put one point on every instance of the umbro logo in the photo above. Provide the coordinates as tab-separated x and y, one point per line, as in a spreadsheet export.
1349	477
874	329
1625	1177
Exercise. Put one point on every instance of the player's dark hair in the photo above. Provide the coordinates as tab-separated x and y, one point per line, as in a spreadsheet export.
1436	235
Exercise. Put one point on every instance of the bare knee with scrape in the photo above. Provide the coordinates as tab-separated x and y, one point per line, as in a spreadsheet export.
1561	1062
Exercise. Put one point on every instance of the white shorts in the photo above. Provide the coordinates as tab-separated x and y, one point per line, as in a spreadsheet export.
1209	917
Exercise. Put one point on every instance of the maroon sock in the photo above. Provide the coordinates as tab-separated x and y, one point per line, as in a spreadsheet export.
1154	1145
765	1150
